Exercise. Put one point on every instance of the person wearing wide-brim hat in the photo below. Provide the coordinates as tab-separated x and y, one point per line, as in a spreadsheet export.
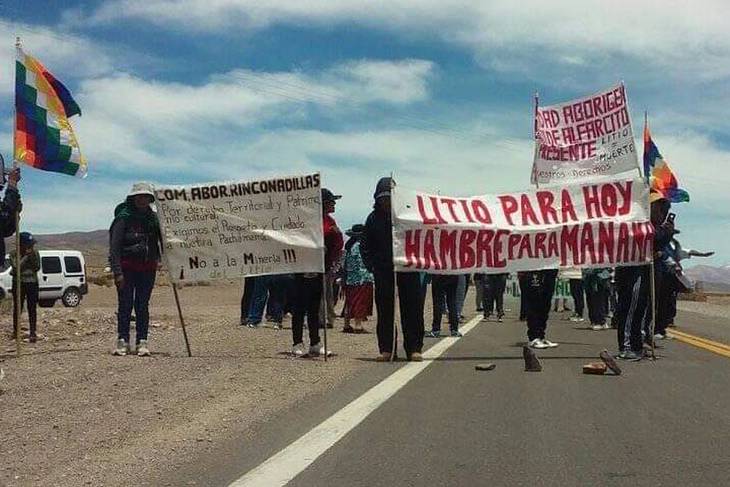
30	264
358	283
134	254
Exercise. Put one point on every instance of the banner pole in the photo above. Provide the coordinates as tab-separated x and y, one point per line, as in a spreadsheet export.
326	305
534	136
180	315
16	285
652	276
395	274
16	278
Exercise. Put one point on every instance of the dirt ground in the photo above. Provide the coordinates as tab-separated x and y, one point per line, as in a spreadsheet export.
73	414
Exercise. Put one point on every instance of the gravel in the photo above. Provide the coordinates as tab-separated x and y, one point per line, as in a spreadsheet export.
73	414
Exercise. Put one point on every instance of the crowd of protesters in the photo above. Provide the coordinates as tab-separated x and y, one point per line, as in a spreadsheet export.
359	272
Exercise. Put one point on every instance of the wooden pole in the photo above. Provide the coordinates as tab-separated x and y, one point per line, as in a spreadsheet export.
395	274
652	328
534	136
325	284
16	285
16	279
180	315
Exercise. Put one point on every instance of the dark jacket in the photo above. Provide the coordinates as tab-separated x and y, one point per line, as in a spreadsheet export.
8	207
376	246
134	239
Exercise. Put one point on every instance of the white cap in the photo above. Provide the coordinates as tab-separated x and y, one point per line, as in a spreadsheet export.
142	188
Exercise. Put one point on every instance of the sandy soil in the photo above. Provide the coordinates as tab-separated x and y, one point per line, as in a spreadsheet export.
73	414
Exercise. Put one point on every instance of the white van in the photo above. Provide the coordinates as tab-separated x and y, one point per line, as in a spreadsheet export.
62	276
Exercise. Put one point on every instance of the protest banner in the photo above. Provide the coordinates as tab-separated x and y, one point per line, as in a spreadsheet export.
603	224
234	229
583	139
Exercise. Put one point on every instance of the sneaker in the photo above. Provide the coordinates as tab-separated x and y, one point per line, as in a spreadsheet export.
610	362
456	334
596	327
383	357
298	350
122	348
548	343
606	326
143	349
416	357
479	310
576	318
485	318
277	326
537	343
253	324
630	356
659	336
318	349
434	334
500	318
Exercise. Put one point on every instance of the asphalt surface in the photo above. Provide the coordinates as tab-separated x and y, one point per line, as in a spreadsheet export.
662	422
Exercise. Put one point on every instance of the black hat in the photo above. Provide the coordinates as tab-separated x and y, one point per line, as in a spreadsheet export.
357	229
328	195
382	189
26	239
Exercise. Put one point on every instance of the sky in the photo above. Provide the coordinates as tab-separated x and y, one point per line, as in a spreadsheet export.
438	92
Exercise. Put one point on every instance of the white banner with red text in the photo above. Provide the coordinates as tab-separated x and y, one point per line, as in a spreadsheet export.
590	225
584	139
230	230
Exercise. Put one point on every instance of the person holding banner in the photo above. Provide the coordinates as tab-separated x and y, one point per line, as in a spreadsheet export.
538	295
308	287
134	253
377	252
633	289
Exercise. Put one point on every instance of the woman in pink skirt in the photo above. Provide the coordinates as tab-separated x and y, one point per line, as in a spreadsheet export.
358	284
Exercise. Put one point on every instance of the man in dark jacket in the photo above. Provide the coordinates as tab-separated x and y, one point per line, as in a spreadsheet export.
376	249
134	254
8	207
633	289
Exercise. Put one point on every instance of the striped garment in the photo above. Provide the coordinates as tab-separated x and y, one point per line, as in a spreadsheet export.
662	182
44	138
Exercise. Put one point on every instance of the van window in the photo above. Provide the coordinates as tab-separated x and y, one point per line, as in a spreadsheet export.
51	265
73	265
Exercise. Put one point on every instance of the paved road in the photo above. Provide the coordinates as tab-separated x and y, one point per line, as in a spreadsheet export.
661	423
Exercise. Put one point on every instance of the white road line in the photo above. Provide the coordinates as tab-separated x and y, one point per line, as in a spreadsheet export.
281	468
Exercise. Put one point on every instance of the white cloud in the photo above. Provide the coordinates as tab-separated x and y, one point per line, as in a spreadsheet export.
134	123
686	39
66	55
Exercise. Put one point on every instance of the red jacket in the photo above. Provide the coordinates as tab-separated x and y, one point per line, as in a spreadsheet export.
333	243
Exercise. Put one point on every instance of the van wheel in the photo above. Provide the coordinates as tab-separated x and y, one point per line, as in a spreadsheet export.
46	303
71	297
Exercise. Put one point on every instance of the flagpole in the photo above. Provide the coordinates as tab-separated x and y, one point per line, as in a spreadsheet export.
16	278
534	136
395	274
652	271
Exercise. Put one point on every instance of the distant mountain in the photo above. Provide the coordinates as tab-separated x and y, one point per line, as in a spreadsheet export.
94	245
711	278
